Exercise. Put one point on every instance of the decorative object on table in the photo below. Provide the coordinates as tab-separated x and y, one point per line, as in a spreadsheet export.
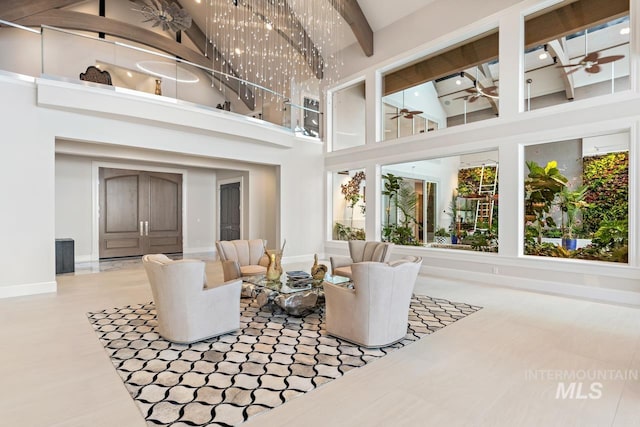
129	337
275	262
318	270
273	272
161	13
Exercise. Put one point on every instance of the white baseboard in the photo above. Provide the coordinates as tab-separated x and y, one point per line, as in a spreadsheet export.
27	289
205	249
614	296
83	258
301	259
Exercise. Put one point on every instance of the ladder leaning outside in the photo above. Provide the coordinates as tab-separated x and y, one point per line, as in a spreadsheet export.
486	200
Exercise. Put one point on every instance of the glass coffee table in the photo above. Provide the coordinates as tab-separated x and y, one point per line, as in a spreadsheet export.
296	293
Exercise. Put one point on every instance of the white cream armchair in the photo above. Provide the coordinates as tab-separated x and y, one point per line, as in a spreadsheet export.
360	251
187	309
375	312
249	254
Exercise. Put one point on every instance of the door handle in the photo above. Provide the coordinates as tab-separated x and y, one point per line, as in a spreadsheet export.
142	228
146	228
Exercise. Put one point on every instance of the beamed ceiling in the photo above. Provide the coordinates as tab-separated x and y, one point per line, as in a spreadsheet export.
539	29
49	12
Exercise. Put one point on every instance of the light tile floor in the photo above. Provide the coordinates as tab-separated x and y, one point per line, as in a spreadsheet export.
475	372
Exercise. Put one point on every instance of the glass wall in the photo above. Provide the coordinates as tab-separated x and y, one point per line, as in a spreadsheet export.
453	87
576	51
349	207
576	198
348	114
449	202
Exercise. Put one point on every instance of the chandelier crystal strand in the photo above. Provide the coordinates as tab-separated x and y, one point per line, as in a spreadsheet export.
279	44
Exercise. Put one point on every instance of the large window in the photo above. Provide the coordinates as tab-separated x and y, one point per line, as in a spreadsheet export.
453	87
348	112
348	205
576	51
576	198
449	202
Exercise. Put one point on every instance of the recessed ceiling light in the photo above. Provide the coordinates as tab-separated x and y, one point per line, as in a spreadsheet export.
458	82
543	55
625	30
129	74
238	51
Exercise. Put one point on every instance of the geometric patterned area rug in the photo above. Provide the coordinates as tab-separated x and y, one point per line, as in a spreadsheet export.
224	381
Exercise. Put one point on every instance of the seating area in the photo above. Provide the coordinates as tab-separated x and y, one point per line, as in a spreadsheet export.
369	306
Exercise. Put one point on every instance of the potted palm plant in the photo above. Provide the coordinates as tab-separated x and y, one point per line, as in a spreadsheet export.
571	204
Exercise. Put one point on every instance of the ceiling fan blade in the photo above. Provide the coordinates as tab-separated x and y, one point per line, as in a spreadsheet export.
404	110
489	89
473	90
592	57
409	116
568	65
594	69
415	112
473	98
573	71
607	59
490	92
395	117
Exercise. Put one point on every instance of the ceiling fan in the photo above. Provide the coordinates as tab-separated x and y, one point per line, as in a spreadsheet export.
477	91
591	63
406	113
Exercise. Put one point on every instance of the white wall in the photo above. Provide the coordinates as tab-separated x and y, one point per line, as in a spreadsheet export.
432	29
27	263
284	173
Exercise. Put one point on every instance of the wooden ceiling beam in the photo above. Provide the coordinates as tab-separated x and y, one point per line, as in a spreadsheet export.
476	52
92	23
13	10
539	29
572	18
353	15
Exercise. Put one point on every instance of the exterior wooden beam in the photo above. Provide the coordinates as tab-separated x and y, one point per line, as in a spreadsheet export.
572	18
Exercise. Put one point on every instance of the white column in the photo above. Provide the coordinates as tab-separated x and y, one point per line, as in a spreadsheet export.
373	217
511	45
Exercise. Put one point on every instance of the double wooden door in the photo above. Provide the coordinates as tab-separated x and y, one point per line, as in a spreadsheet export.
140	212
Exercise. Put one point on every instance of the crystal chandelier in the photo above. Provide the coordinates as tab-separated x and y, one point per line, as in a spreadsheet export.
283	45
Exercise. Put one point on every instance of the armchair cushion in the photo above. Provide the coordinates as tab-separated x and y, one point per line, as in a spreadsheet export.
360	251
187	310
249	254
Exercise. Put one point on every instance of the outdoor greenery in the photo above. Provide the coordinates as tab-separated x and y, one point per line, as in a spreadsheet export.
600	204
607	181
402	201
351	191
